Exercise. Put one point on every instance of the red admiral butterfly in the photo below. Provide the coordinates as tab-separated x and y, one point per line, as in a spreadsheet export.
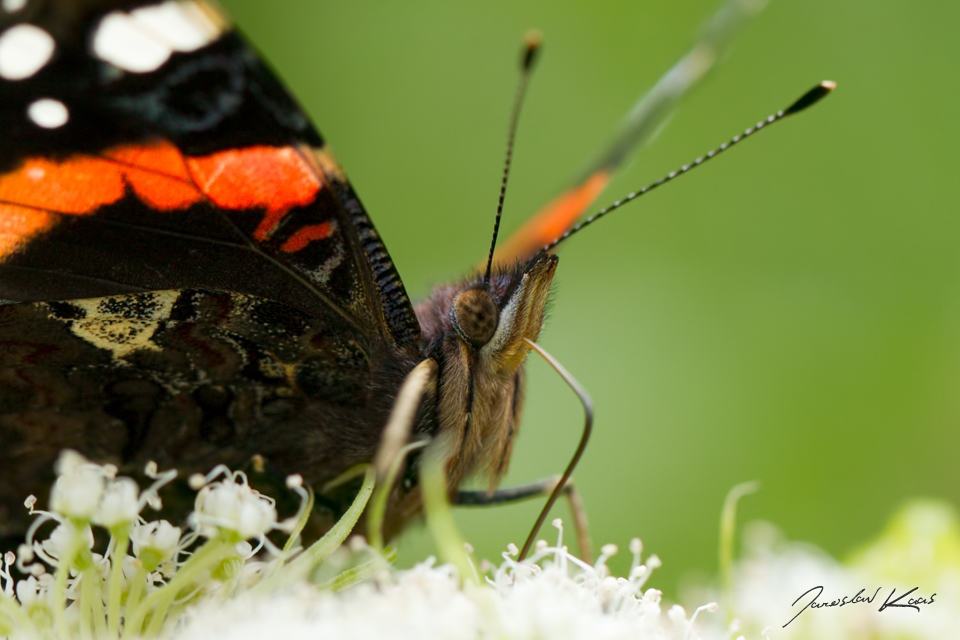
188	277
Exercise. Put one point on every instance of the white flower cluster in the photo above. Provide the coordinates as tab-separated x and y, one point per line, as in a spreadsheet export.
209	582
552	595
776	578
72	589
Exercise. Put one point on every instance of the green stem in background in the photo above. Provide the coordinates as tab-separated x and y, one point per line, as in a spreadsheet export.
301	566
12	608
92	601
359	573
644	121
728	527
652	110
306	510
86	631
157	603
394	441
121	540
436	505
58	595
137	587
299	527
378	503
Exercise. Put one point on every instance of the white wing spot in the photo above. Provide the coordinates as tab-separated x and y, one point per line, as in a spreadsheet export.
120	41
182	25
48	113
24	49
142	40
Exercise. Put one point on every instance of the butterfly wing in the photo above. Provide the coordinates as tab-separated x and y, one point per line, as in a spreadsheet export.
147	147
186	274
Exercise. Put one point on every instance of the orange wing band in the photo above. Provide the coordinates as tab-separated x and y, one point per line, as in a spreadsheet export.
552	220
274	179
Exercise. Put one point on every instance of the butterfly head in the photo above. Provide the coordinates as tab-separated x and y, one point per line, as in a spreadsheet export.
476	331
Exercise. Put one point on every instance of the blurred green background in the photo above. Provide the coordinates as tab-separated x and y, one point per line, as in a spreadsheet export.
788	313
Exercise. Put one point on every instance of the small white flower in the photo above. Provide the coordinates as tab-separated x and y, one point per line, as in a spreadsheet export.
65	536
34	590
159	538
256	518
677	614
78	488
29	592
119	504
234	506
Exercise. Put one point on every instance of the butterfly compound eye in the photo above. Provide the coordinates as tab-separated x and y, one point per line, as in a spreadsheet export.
476	316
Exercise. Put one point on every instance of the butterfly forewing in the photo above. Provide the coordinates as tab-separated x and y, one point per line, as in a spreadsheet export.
190	169
187	275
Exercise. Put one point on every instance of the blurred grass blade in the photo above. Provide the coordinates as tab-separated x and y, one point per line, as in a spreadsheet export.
640	125
646	116
436	506
728	526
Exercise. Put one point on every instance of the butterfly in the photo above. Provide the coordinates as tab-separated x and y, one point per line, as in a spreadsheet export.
188	277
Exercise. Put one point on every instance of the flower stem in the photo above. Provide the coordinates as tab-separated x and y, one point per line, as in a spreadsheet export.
728	525
92	600
378	503
301	566
436	506
136	590
10	607
158	602
58	595
121	541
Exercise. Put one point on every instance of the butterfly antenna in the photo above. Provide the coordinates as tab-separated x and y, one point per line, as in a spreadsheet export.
531	46
810	98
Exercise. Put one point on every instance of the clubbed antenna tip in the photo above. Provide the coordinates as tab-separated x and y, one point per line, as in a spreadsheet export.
811	97
531	46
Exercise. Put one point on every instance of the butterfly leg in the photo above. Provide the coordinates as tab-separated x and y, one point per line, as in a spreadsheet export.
536	489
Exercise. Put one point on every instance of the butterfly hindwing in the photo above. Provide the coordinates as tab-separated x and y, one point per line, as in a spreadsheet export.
186	378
